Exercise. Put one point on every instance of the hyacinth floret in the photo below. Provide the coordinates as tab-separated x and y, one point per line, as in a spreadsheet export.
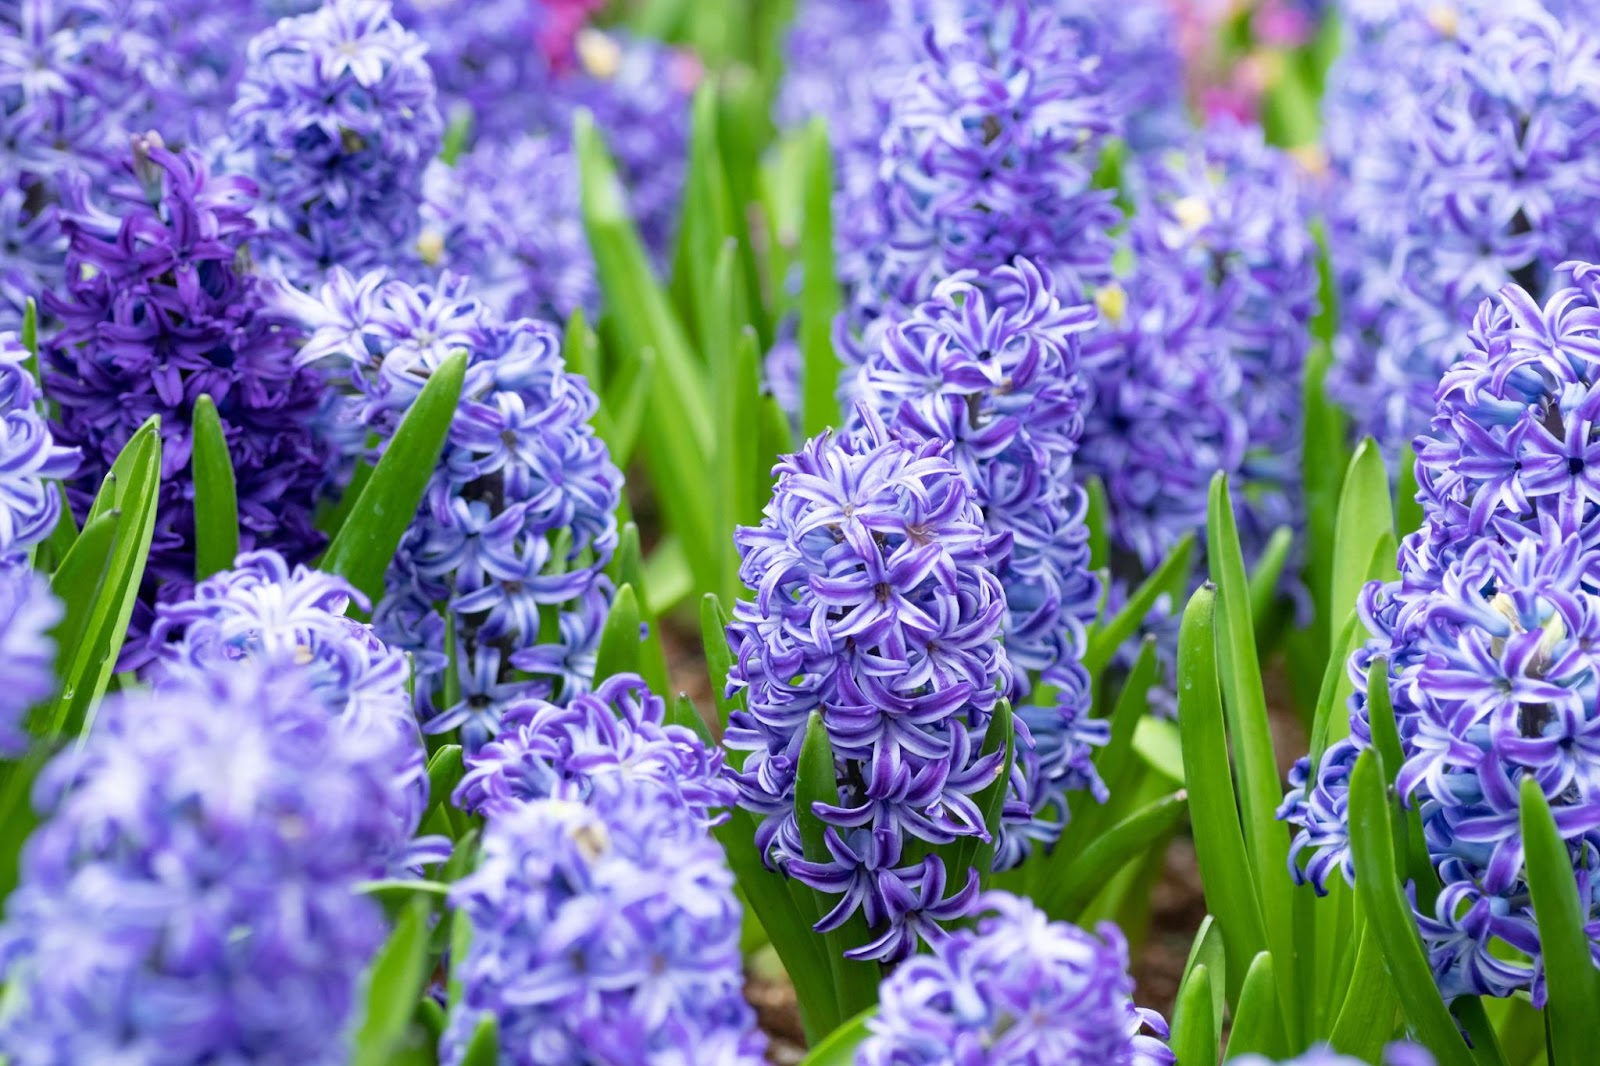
519	519
336	120
264	610
160	309
876	605
1197	368
612	738
1018	989
988	154
527	255
1463	159
202	847
605	931
992	364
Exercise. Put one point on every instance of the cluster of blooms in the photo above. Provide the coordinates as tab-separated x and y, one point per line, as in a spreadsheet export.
1460	137
1197	368
519	519
264	611
191	896
507	214
495	58
613	738
336	120
159	310
1489	636
603	931
876	605
1393	1055
990	364
1018	989
987	152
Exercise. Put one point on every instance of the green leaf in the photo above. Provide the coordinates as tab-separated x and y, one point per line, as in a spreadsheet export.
819	301
969	852
397	893
65	533
839	1049
1386	907
1258	1021
682	711
719	657
1255	762
77	583
1098	519
1573	984
1207	951
216	500
1325	458
619	640
1335	686
855	984
1365	1021
1225	870
706	223
456	135
1090	871
1264	581
1160	746
397	979
627	568
366	543
1365	516
485	1047
445	771
1194	1028
30	338
1407	507
1170	577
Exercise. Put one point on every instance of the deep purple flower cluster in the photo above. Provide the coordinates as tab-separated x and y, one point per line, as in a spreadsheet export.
1198	366
876	605
1489	636
991	364
336	120
159	310
508	216
987	153
519	519
190	898
613	738
27	651
1018	989
1461	140
605	931
264	611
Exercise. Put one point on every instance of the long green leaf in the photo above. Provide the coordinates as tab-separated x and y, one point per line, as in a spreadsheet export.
397	979
1207	951
216	500
1574	986
819	302
839	1049
1170	577
1130	838
1365	1021
77	583
627	568
1386	907
1407	507
484	1050
1255	762
1098	520
1194	1029
1365	516
366	543
1258	1021
719	657
1225	870
619	639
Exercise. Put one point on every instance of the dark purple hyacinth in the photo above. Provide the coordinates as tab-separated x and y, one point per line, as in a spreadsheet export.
1017	989
160	308
1464	159
991	363
615	737
508	216
1197	366
605	931
519	520
1489	634
987	153
336	120
876	604
191	896
264	611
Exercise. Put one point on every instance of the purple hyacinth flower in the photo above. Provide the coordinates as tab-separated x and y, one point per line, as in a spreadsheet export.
336	120
602	931
28	612
30	460
876	604
160	309
1393	1055
518	523
191	895
265	611
1016	989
